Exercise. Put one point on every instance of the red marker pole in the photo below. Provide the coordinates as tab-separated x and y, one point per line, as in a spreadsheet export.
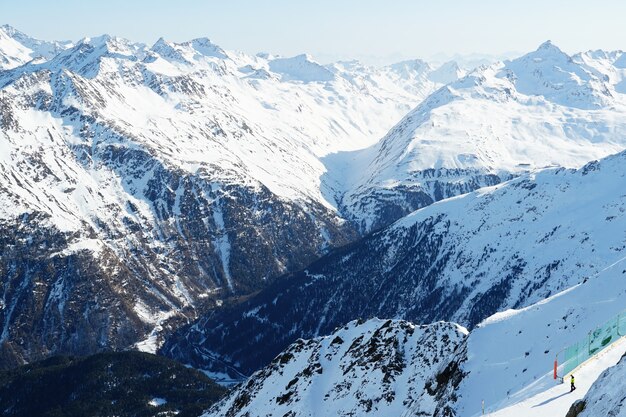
555	366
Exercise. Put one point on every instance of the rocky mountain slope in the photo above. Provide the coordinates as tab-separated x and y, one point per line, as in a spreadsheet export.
140	184
17	48
365	368
143	185
461	259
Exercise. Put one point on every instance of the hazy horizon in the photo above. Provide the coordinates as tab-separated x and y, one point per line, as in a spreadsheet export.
366	30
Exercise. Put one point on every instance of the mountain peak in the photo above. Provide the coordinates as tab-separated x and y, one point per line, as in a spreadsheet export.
202	41
549	49
448	72
85	57
301	68
8	29
188	52
96	40
17	48
12	32
411	65
160	45
548	45
207	48
111	45
553	74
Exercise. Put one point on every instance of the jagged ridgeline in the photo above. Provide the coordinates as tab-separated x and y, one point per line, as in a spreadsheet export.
140	184
143	186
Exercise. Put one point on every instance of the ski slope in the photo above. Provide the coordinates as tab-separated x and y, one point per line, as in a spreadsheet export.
509	357
557	400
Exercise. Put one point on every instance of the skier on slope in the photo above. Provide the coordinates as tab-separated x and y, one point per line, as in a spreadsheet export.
573	387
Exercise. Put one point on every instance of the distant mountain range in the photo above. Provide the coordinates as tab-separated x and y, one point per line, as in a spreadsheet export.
144	185
182	188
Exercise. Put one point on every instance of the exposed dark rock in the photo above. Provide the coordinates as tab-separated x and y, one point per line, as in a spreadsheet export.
576	409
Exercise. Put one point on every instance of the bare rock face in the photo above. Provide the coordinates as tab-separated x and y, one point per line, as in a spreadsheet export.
576	409
56	303
76	293
117	223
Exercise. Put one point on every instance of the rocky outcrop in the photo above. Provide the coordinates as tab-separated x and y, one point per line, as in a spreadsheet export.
374	367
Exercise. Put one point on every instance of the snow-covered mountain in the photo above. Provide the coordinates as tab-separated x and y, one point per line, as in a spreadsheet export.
370	368
447	72
542	109
17	48
144	183
461	259
519	366
396	368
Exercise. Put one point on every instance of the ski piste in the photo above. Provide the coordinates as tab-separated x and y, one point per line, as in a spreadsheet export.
509	365
557	400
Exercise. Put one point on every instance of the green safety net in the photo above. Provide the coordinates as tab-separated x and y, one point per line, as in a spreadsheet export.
596	341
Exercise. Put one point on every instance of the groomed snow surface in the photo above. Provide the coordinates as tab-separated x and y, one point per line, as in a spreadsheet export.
557	400
510	358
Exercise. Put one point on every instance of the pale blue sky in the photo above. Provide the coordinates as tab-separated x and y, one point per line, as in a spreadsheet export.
383	30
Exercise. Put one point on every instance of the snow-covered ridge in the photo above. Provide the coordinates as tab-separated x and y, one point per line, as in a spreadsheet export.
186	163
395	368
366	368
301	68
543	109
168	172
17	48
554	75
512	373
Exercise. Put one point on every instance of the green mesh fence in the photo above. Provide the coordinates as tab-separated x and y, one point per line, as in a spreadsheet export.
596	341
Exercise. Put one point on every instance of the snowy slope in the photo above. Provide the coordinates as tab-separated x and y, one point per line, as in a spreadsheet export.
17	48
542	109
167	179
365	368
556	400
396	368
180	175
461	259
447	72
508	358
